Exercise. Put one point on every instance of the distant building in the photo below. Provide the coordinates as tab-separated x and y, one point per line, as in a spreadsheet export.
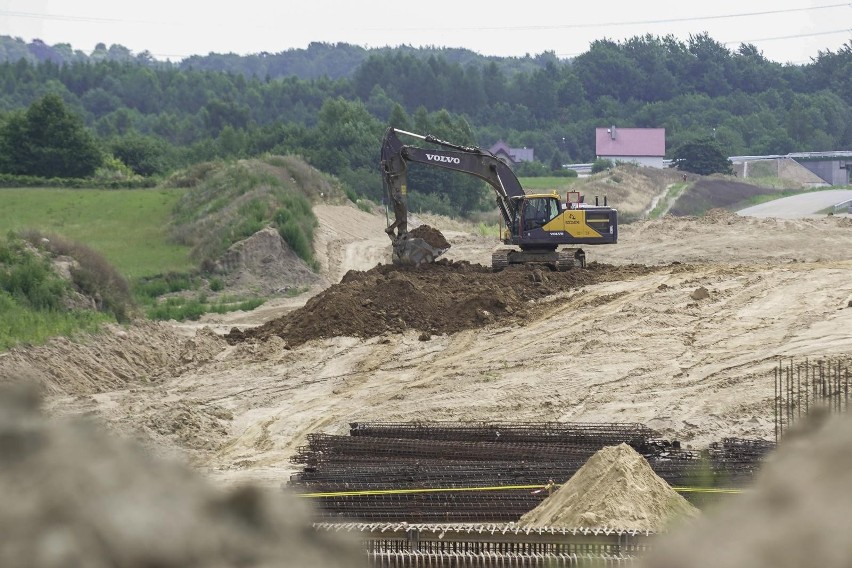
832	167
643	146
813	169
511	156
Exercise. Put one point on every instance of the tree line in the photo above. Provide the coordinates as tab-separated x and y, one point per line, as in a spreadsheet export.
154	117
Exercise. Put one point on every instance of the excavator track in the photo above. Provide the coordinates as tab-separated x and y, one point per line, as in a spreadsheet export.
569	259
499	259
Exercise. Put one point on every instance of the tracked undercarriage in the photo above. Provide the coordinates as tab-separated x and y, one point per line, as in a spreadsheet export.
559	260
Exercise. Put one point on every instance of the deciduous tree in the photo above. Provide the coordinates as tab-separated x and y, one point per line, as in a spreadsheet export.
48	141
702	156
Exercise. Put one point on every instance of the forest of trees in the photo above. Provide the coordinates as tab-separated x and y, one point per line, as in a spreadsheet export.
331	103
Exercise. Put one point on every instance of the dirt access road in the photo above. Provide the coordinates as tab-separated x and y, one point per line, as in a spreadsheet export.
797	206
686	348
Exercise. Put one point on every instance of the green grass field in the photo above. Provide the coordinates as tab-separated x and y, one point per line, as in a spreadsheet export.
129	227
545	184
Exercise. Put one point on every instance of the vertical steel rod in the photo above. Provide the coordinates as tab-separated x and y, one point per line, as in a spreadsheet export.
775	402
798	392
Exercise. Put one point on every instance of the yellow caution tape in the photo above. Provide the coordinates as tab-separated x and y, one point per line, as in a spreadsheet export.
496	488
706	490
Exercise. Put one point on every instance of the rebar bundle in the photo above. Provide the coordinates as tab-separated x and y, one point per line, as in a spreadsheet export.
456	507
597	434
488	545
804	386
448	472
329	448
409	559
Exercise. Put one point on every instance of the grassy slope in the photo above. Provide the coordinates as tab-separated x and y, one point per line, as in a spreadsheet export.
545	184
129	227
733	194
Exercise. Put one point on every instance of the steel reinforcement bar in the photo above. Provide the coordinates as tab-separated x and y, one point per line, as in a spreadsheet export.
605	434
493	560
328	447
487	545
801	387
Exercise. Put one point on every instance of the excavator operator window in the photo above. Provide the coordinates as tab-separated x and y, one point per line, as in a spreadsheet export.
538	211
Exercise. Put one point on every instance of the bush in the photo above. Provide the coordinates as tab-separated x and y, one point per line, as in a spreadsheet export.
296	223
350	194
601	164
92	275
32	298
25	325
161	284
532	169
29	279
178	309
293	234
436	203
9	180
568	173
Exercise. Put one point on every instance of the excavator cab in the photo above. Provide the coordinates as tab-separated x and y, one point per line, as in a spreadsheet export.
537	211
533	212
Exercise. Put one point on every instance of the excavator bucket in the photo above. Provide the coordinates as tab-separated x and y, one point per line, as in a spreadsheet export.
414	251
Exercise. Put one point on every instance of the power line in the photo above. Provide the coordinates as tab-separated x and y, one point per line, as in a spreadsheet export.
114	21
848	31
65	18
586	25
70	18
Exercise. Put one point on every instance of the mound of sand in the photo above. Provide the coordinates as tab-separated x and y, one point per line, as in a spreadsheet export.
435	298
797	513
264	264
73	496
615	488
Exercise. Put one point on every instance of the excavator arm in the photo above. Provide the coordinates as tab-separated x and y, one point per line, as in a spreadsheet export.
466	159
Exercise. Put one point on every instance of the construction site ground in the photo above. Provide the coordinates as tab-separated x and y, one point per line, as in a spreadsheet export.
677	327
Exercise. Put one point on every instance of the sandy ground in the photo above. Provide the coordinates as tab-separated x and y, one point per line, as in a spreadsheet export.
641	350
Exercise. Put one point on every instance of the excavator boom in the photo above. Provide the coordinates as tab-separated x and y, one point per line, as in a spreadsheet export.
466	159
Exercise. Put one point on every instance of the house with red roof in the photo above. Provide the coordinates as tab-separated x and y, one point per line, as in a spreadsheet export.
643	146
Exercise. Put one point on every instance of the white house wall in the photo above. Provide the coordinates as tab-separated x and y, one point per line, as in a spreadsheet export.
649	161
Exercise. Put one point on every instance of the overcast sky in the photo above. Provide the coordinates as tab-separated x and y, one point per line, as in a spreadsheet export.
786	31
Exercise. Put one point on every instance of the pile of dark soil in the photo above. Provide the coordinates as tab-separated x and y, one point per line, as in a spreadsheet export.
431	235
436	298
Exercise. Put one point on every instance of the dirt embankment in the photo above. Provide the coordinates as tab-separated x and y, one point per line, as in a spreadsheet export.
122	357
438	298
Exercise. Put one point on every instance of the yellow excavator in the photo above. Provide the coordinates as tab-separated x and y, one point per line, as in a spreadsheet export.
537	227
